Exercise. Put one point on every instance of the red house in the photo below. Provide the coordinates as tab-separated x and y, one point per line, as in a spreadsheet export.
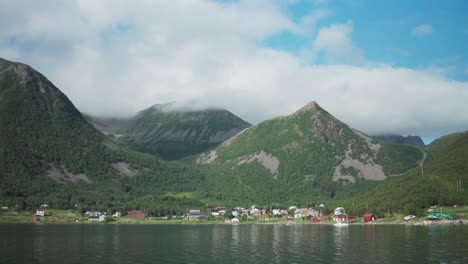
369	218
342	218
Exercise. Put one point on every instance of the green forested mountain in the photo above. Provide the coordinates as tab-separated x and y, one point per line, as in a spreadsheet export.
171	132
442	180
307	156
49	153
411	140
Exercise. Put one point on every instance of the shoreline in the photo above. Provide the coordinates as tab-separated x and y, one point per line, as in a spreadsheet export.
182	222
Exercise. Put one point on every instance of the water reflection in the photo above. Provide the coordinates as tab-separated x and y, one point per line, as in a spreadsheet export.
232	244
340	237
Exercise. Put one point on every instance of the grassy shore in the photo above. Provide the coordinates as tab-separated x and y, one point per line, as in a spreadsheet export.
53	216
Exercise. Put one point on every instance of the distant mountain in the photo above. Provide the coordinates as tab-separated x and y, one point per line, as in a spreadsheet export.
443	180
306	156
171	132
49	153
411	140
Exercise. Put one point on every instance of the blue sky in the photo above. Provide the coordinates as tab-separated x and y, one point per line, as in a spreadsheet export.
398	67
387	31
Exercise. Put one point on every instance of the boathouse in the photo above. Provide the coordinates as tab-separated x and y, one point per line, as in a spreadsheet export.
369	218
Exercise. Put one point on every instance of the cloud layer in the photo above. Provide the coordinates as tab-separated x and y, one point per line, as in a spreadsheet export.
112	58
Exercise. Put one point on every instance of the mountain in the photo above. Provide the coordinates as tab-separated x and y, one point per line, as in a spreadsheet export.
306	156
172	132
50	153
397	139
443	181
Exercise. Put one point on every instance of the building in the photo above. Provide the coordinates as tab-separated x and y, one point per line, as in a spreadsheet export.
235	221
116	214
343	218
40	212
196	214
369	217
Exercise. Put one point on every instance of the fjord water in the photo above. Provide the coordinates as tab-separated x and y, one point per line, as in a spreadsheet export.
232	244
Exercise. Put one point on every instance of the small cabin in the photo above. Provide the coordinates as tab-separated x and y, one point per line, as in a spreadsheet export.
40	212
369	218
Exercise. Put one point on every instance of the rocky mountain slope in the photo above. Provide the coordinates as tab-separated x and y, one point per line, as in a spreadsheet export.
48	151
171	132
308	155
397	139
442	181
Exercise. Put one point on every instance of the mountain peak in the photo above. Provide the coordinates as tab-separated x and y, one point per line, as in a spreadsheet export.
307	108
28	77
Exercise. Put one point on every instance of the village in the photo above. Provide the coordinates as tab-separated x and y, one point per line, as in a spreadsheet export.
224	215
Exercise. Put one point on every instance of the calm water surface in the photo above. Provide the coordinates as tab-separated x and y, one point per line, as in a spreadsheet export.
232	244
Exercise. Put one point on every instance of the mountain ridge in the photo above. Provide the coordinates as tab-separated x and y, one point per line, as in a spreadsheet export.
172	133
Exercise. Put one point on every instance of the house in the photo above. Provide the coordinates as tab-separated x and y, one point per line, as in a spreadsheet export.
235	213
276	212
40	212
314	220
227	220
343	218
299	213
217	211
254	211
97	218
195	214
116	214
92	213
235	221
44	206
369	217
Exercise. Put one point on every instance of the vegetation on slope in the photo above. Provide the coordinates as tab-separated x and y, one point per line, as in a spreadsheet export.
435	185
46	144
170	132
297	159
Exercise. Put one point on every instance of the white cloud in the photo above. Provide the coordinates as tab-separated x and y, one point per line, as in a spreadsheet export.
422	30
210	52
335	40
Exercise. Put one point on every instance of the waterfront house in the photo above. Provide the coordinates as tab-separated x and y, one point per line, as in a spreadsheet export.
235	221
369	217
95	218
40	212
196	214
343	218
276	212
227	220
116	214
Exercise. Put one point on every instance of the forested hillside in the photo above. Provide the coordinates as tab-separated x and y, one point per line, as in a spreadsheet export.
306	156
49	153
170	131
442	181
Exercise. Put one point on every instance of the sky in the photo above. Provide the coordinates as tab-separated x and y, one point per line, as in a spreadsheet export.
383	67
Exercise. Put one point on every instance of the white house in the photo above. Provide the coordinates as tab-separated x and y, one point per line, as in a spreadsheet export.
235	221
276	211
40	212
44	206
117	214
